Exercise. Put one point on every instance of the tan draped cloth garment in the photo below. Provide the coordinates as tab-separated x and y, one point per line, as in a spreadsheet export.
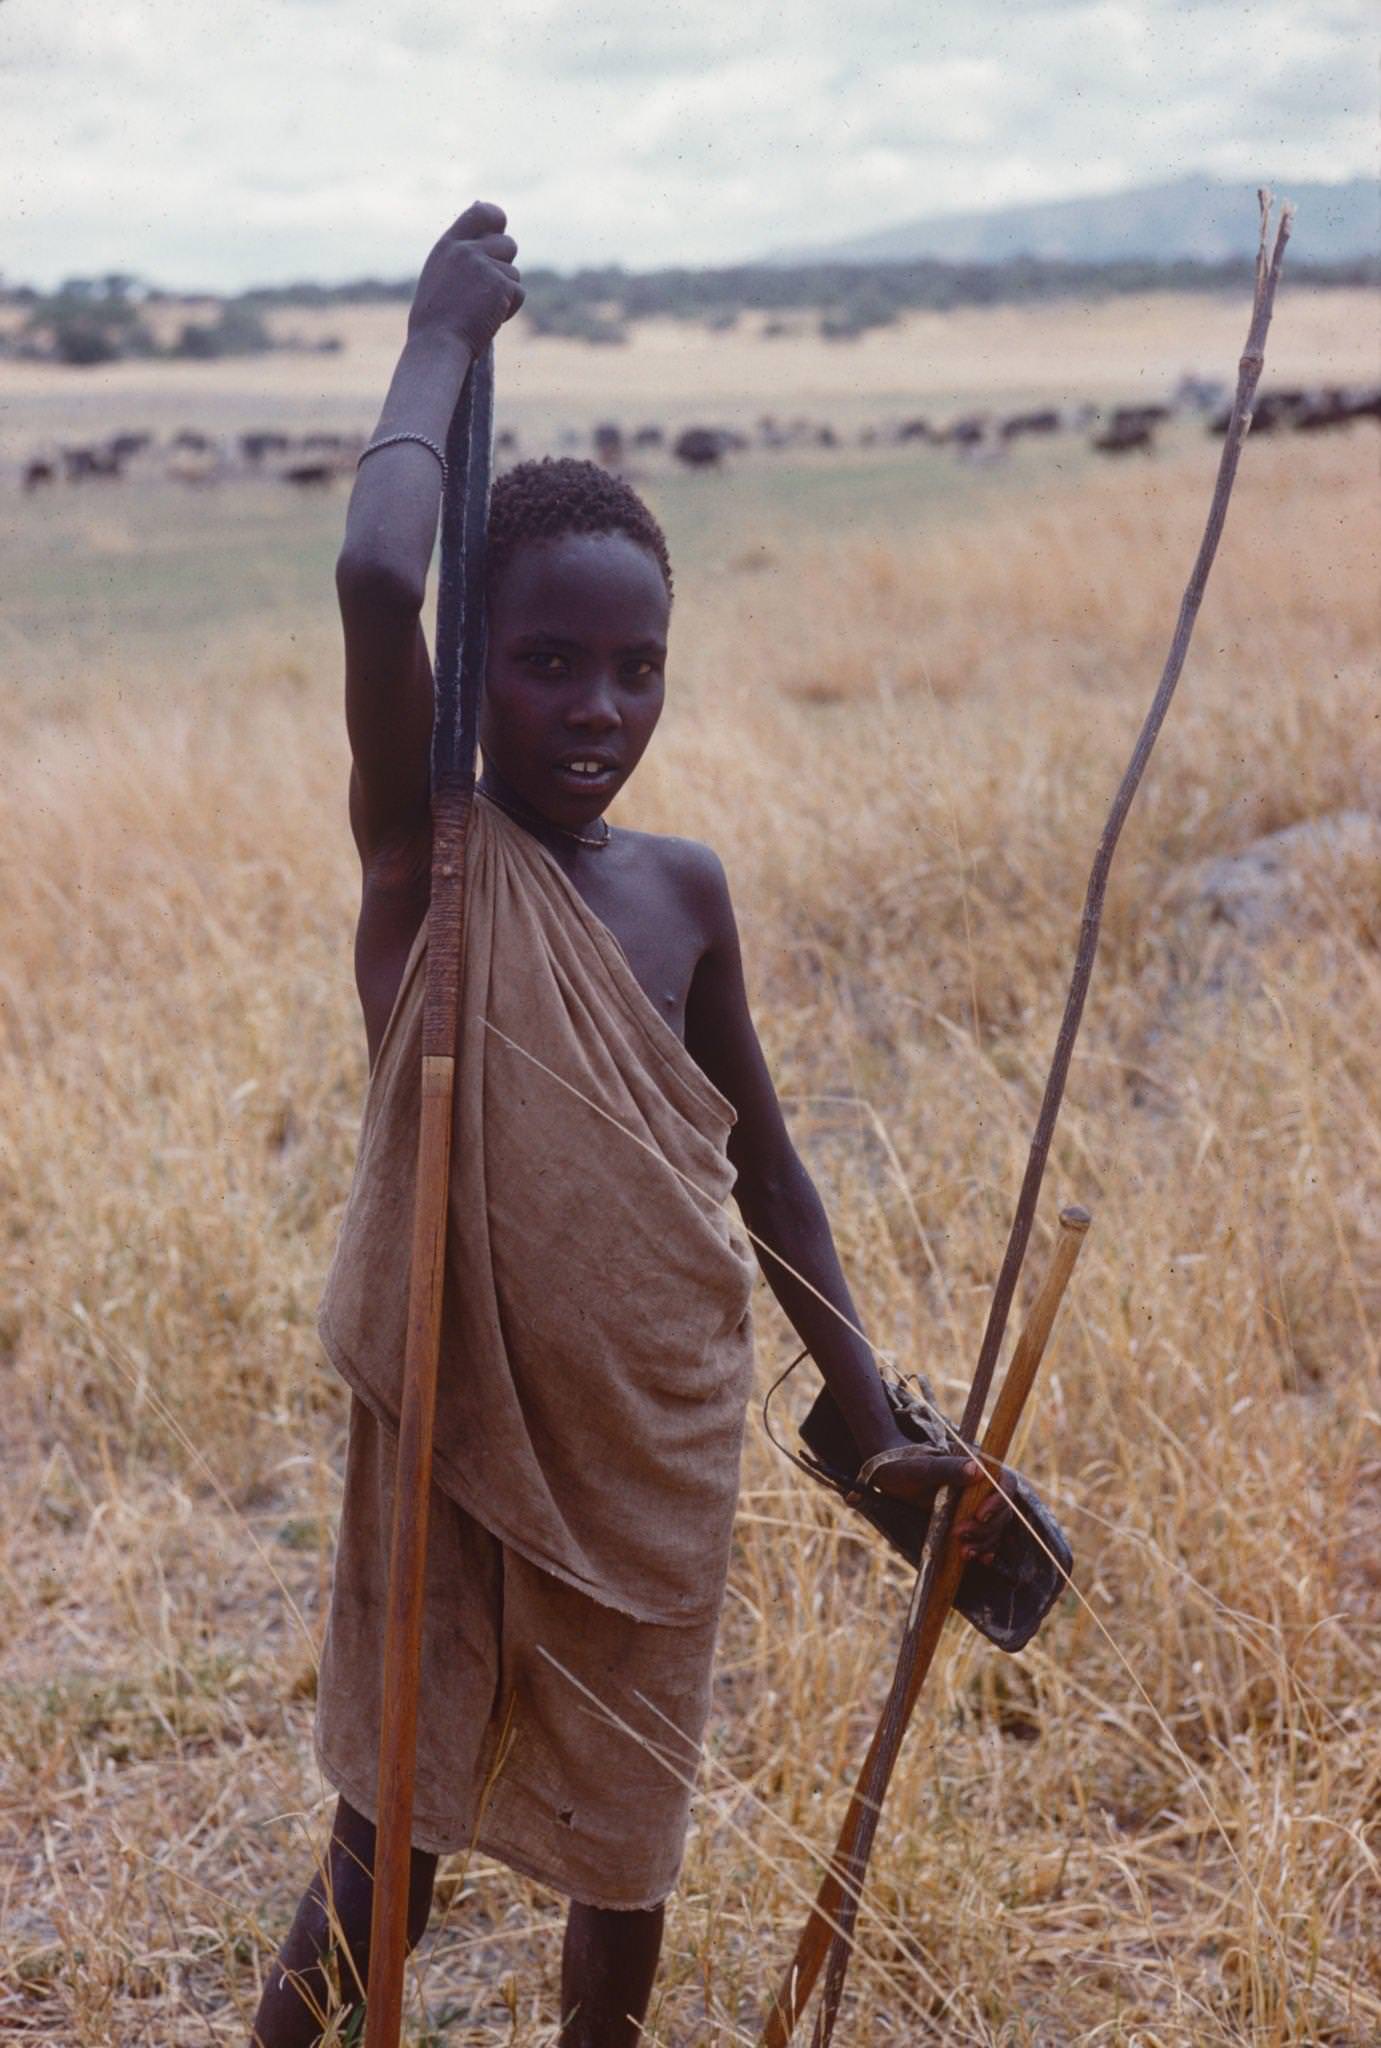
596	1359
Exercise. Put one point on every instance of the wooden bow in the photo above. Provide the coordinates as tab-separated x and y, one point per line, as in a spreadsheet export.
459	674
829	1929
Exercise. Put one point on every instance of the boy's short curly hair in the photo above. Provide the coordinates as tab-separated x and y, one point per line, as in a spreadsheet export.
561	494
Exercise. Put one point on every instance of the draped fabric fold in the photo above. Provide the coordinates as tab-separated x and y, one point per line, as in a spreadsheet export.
596	1350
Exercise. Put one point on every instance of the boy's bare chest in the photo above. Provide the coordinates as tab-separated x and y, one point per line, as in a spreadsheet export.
635	899
639	903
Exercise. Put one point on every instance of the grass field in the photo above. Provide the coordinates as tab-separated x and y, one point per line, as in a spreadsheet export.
900	698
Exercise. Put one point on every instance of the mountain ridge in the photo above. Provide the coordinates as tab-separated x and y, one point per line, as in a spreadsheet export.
1197	217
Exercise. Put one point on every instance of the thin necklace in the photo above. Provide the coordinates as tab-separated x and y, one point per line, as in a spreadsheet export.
580	838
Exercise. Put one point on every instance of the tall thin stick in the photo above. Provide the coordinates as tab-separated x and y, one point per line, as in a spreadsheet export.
460	647
838	1898
886	1746
856	1840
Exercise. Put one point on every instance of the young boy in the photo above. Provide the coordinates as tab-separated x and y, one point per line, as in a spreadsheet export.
612	1092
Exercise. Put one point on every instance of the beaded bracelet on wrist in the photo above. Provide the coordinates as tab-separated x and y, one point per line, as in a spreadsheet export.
391	441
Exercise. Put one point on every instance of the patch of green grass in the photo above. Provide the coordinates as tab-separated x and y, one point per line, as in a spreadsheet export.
303	1532
124	1719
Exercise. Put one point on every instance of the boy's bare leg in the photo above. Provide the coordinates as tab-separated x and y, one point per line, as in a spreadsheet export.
607	1966
314	1975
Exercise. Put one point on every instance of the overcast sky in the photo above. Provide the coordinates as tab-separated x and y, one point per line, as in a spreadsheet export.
229	142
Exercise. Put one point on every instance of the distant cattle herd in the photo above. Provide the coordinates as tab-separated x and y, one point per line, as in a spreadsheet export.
312	460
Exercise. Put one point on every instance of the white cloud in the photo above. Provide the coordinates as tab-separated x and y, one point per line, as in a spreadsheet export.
331	138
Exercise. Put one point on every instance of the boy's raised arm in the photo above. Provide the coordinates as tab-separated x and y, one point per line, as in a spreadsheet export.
468	287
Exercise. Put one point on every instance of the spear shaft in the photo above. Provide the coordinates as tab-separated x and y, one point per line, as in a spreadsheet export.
458	677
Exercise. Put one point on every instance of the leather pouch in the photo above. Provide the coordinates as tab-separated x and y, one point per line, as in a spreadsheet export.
1007	1600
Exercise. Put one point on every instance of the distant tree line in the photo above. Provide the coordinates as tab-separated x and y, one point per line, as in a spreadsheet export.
843	299
93	320
90	320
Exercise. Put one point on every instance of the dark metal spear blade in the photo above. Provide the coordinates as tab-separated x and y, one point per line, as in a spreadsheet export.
460	624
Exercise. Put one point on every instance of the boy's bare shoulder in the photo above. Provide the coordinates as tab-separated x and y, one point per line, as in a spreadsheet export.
686	860
687	870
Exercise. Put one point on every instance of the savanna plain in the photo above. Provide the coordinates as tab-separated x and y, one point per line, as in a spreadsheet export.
902	690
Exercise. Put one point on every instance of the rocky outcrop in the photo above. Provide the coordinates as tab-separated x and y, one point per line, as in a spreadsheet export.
1317	877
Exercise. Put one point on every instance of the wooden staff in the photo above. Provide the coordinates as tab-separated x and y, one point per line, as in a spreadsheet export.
892	1726
459	674
837	1901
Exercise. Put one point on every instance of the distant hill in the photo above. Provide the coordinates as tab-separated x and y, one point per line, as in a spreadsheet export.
1200	219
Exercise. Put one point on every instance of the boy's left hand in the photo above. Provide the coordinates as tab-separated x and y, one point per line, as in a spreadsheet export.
916	1474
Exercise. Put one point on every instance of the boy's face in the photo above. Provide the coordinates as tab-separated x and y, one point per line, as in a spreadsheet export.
576	671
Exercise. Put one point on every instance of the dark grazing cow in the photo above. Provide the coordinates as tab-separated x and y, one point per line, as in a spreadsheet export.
1046	421
1120	436
699	447
648	437
1307	411
80	463
1337	407
608	444
123	446
1130	426
967	432
1278	408
309	474
262	441
1126	417
1273	408
38	470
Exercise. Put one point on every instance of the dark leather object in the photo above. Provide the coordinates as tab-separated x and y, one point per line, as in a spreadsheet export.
1006	1600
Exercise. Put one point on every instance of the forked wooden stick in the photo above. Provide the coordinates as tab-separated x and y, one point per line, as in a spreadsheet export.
460	646
887	1742
837	1902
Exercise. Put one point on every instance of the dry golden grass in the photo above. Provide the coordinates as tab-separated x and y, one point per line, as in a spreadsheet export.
1159	1825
